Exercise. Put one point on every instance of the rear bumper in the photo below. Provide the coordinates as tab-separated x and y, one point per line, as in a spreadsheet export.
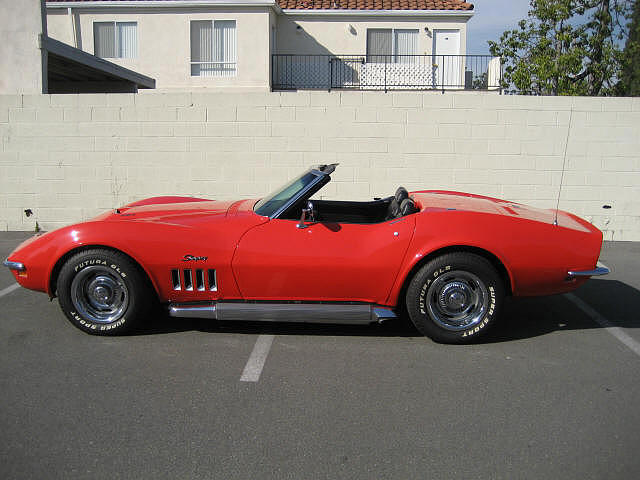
601	269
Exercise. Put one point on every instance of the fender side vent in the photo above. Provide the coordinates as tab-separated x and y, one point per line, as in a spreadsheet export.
175	279
204	280
212	281
200	280
188	280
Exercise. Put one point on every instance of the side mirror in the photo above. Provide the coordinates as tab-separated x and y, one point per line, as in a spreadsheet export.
307	213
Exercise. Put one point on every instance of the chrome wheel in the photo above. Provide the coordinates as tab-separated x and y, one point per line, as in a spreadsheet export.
457	300
99	294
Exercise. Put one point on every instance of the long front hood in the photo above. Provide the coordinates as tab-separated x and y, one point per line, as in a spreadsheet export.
175	210
437	200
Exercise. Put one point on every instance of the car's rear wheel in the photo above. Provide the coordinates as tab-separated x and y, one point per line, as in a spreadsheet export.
455	298
103	292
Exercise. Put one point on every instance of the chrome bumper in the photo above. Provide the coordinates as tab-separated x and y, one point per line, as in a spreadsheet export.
17	266
601	269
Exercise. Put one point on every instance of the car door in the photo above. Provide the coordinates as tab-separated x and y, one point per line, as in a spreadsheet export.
322	262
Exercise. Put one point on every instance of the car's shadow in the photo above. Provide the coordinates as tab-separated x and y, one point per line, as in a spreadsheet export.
521	318
162	323
524	318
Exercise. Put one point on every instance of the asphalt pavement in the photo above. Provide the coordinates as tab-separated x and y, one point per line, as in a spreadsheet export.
553	392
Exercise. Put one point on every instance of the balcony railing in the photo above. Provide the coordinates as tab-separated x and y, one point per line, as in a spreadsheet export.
385	72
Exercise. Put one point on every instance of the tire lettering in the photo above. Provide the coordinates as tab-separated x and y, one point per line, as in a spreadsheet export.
441	270
95	261
117	269
423	293
93	326
111	326
98	261
485	321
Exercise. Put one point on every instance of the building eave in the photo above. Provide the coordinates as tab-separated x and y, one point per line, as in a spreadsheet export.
97	64
165	3
380	13
257	3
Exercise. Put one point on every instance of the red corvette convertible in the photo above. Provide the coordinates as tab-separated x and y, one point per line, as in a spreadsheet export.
446	258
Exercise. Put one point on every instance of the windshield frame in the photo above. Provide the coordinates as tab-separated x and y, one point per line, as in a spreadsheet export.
319	172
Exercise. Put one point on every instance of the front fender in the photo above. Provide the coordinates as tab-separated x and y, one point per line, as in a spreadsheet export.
41	254
156	247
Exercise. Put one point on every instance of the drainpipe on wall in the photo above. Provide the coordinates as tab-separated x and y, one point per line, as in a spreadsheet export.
44	56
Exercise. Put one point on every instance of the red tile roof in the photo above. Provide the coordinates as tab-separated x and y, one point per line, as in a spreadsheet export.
355	4
376	4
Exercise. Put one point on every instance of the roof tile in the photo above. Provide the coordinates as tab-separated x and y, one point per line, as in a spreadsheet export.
375	4
354	4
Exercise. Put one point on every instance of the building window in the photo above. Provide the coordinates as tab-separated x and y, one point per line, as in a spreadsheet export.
386	45
115	39
213	48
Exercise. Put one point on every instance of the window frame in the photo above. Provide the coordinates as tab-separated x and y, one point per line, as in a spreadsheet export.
116	41
234	61
392	57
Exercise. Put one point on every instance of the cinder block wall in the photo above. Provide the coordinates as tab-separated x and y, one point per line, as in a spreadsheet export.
69	157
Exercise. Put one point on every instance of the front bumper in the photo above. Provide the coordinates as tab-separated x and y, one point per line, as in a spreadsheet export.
17	266
601	269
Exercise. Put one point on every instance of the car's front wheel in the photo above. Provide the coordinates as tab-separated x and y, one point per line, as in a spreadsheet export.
103	292
455	298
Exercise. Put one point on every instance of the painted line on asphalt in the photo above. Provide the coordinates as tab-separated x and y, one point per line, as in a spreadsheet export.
9	289
617	332
253	368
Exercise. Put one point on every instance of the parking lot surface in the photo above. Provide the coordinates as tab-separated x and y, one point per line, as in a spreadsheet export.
552	393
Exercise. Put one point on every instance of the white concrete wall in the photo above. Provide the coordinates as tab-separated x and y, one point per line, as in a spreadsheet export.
69	157
20	54
164	50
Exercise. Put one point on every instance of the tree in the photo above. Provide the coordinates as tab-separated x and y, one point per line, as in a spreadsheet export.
564	47
629	84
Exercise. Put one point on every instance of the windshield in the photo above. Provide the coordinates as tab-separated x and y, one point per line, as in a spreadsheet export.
277	199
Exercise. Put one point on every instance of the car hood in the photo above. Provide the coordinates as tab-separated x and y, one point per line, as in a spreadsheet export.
438	200
169	210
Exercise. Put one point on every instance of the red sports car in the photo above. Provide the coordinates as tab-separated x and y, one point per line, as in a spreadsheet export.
446	258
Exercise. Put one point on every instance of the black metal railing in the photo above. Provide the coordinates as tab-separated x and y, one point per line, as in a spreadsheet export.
385	72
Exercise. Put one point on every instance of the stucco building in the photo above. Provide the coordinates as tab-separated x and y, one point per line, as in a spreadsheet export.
263	44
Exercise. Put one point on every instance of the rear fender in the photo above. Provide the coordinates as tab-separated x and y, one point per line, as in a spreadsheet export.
420	256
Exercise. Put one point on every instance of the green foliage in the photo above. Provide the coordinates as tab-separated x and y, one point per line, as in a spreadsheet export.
564	47
480	81
629	84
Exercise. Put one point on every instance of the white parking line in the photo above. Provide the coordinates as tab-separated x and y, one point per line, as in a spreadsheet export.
606	324
9	289
253	368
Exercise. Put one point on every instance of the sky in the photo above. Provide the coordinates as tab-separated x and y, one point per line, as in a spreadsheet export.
491	18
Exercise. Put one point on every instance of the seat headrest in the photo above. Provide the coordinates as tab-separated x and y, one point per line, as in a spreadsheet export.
401	194
407	207
394	209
